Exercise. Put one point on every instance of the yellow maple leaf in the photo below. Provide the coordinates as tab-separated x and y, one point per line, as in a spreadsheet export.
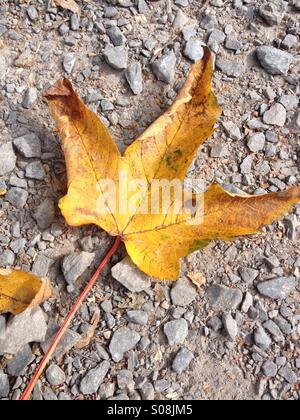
156	235
20	290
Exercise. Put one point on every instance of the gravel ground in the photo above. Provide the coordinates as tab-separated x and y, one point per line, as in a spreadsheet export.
237	336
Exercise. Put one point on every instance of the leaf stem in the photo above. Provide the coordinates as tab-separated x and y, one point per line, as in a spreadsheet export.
27	393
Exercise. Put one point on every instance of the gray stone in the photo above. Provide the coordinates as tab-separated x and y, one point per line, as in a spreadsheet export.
28	145
123	340
17	197
32	13
230	68
194	49
183	292
134	77
270	369
232	43
69	62
63	29
3	67
125	379
7	258
276	115
180	21
116	36
137	317
232	130
182	360
277	289
18	365
67	342
224	299
7	159
164	67
93	379
35	170
273	60
289	42
216	38
147	392
41	265
55	375
182	3
219	150
2	327
271	13
261	339
292	225
248	275
256	142
215	324
4	385
75	264
274	330
75	24
44	215
30	98
176	331
230	326
116	57
27	327
209	22
246	166
143	7
247	303
290	102
289	375
130	276
107	391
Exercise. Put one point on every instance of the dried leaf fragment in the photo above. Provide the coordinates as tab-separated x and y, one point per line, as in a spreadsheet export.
20	290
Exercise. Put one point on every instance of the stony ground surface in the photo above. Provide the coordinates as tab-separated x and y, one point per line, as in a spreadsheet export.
237	337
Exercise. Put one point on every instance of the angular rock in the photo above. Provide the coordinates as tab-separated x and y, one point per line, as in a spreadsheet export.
30	98
182	360
123	340
232	130
137	317
271	13
4	385
55	375
28	145
74	265
41	265
18	365
7	258
183	292
116	57
67	342
69	62
134	77
180	21
276	115
273	60
247	303
270	369
230	326
256	142
44	215
290	102
246	165
248	275
289	42
230	68
164	67
224	299
3	67
194	49
7	159
176	331
93	379
289	375
277	289
27	327
130	276
261	339
35	170
116	36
